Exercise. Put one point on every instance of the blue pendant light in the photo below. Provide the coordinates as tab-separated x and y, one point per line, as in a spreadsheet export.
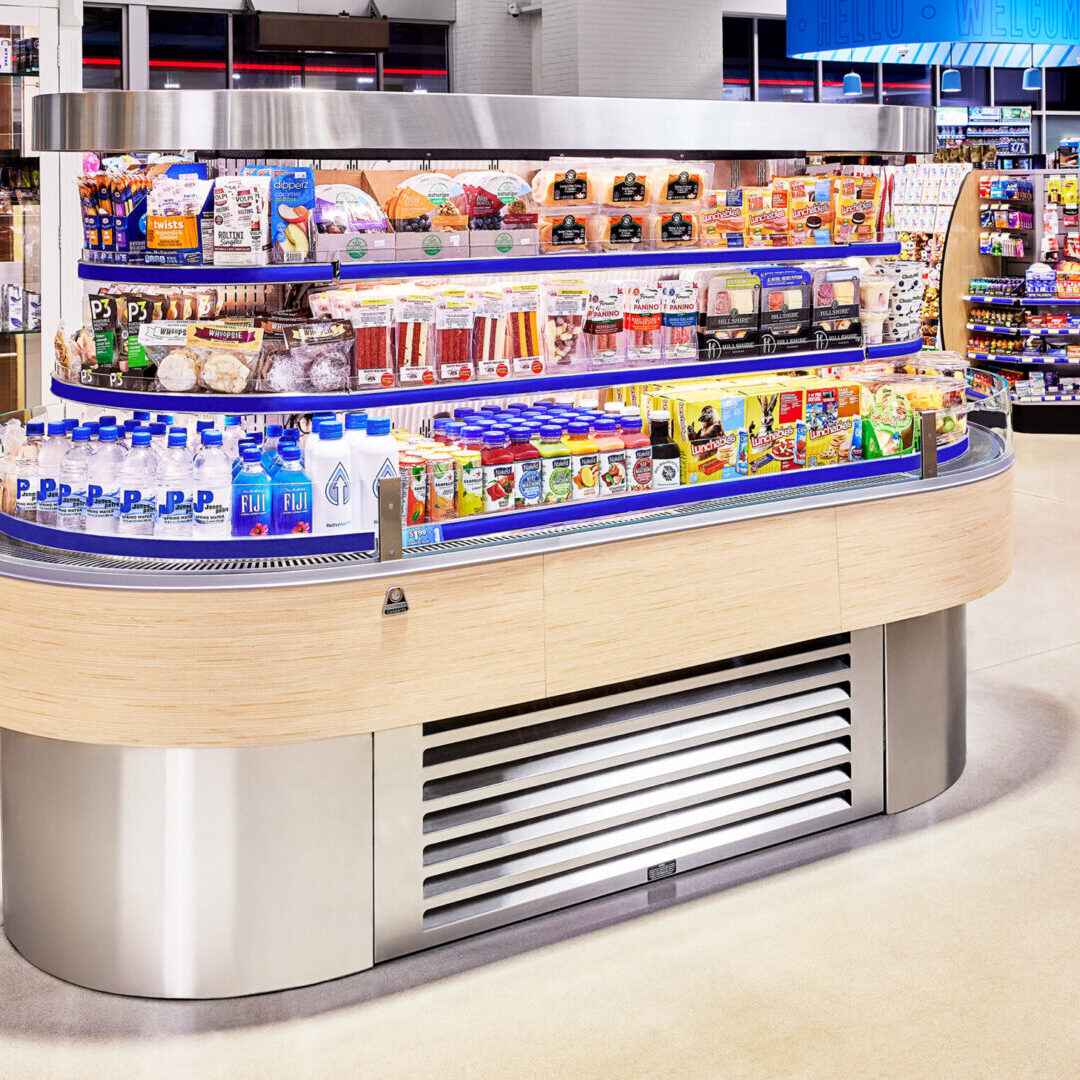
950	78
1032	75
853	84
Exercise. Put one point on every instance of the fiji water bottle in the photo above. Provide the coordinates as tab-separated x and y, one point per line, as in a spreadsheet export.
103	482
74	474
251	506
52	453
289	437
212	507
138	487
291	494
239	459
174	487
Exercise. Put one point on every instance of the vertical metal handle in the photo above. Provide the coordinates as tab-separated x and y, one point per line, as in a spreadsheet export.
389	526
928	443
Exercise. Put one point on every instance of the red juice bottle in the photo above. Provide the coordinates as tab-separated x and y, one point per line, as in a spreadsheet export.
528	482
498	464
639	463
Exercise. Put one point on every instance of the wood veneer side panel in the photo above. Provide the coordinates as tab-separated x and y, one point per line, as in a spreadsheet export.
913	555
641	607
257	666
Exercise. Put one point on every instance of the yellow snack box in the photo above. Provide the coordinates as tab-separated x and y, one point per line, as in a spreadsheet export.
767	443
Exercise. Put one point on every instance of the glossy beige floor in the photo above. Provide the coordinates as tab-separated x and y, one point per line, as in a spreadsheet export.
940	943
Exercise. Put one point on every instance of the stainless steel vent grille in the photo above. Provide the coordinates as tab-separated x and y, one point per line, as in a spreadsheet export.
482	821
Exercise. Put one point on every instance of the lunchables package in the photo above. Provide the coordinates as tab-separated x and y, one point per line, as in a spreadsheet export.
845	198
833	422
769	439
766	219
809	209
723	219
705	425
785	309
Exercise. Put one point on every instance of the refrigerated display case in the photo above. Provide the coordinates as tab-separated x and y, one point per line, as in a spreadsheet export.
398	743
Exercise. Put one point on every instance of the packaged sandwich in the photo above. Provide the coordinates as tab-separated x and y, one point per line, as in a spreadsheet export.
623	187
562	183
615	230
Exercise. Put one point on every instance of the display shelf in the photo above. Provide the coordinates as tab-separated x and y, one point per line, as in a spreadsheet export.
1057	399
1048	331
141	274
1022	301
20	333
986	328
267	547
1020	358
467	391
893	348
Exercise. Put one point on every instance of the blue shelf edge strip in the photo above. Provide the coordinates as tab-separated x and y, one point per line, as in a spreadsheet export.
1021	359
1021	301
141	274
267	547
893	349
545	384
488	525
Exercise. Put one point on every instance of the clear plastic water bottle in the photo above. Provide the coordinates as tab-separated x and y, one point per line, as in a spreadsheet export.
158	436
200	427
251	503
289	437
26	472
52	453
70	424
166	418
175	479
103	486
234	432
74	476
212	509
138	487
330	468
291	494
270	445
142	416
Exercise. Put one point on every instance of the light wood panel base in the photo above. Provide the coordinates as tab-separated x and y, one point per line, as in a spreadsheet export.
259	666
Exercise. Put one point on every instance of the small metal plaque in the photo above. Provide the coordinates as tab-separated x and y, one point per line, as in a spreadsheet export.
661	870
395	603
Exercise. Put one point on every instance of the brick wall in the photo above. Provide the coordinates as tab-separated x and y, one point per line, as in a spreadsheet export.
492	51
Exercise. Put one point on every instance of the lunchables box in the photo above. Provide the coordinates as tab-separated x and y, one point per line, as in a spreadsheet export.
785	309
831	416
768	440
809	209
705	425
835	298
722	219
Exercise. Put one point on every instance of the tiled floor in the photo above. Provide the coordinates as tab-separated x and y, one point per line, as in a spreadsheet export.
943	942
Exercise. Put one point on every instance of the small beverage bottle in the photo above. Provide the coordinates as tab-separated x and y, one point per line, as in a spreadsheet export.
330	468
251	496
74	475
374	458
26	472
612	456
234	432
498	464
138	487
639	459
666	472
556	464
270	445
175	483
159	435
52	454
528	478
211	509
291	494
103	482
586	458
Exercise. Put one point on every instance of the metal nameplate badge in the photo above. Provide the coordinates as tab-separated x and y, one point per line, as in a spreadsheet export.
395	603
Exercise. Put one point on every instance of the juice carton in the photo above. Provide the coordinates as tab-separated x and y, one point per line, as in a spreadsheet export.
705	425
785	309
767	442
831	415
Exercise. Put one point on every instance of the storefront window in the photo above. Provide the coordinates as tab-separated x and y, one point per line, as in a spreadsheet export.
1009	89
1062	89
779	77
832	82
738	43
188	50
975	88
341	71
906	84
417	60
103	48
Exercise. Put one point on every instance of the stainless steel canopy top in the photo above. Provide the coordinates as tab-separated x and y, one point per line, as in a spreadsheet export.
406	125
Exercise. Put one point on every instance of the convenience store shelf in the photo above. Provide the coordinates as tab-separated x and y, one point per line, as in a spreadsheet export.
466	391
893	348
1044	331
1021	358
986	328
1021	301
141	274
1058	399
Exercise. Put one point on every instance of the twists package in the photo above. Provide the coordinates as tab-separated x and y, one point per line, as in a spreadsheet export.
180	218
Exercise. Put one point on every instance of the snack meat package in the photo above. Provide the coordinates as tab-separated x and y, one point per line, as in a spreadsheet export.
455	315
612	230
642	320
498	200
678	319
723	219
836	307
428	202
372	319
766	223
809	209
845	199
325	350
624	186
605	326
522	338
785	309
566	231
732	317
138	310
767	444
556	185
226	356
564	305
682	183
675	229
489	332
414	327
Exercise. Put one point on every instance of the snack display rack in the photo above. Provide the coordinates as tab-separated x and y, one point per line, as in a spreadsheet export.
380	754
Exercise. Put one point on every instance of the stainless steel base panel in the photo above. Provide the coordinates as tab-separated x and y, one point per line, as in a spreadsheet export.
925	707
188	873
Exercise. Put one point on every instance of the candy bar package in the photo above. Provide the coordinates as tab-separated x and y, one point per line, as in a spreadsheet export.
836	307
642	320
414	344
678	319
564	303
372	317
785	309
455	316
320	355
732	318
605	327
225	356
522	338
489	333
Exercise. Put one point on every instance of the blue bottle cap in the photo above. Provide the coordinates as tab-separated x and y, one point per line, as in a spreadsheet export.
460	414
454	429
472	432
57	427
200	425
109	433
177	437
250	454
157	429
491	409
35	428
131	425
70	424
551	431
94	427
606	425
518	407
578	427
439	423
211	437
106	419
495	437
232	421
273	431
356	421
378	425
328	430
290	452
168	419
508	416
323	416
140	437
520	434
291	434
141	414
81	434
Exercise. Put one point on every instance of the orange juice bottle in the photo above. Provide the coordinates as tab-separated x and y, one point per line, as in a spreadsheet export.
585	461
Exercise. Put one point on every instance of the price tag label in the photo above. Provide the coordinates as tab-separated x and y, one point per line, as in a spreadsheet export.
418	535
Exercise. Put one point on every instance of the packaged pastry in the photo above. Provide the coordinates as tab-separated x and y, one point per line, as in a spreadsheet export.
723	219
564	304
455	314
809	209
614	230
498	200
624	186
414	328
675	229
605	326
489	332
682	183
372	317
428	202
176	365
324	351
678	319
766	224
521	342
642	305
226	356
732	316
559	184
785	308
564	231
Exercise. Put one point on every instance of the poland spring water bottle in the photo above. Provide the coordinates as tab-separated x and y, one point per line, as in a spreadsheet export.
212	507
174	477
52	453
74	475
103	486
138	487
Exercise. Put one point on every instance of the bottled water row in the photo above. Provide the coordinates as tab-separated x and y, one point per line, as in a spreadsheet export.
159	479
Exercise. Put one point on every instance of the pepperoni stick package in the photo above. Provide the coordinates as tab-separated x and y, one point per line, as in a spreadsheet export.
679	319
373	318
522	341
454	318
414	324
489	331
641	308
565	301
604	325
